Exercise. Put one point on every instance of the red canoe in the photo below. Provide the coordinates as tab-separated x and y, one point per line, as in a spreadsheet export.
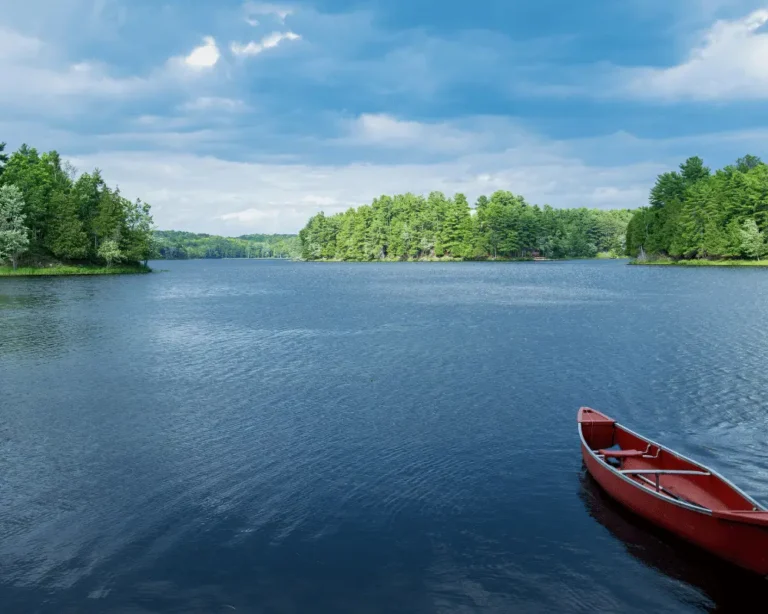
674	492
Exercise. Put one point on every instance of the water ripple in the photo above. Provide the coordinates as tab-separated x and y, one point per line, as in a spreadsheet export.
279	437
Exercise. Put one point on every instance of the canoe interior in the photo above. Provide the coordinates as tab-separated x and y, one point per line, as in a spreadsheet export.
708	491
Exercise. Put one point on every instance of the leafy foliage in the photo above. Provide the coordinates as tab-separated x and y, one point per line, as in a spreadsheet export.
177	245
69	217
13	233
697	214
406	226
3	158
109	250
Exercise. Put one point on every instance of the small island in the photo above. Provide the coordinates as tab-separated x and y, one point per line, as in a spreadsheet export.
699	218
438	228
56	222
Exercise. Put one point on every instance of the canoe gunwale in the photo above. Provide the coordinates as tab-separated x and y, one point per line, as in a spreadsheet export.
759	507
667	499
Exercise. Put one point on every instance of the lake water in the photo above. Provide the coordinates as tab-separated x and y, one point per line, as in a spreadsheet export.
273	437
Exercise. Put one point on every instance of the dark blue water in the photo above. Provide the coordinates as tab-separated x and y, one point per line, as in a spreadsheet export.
271	437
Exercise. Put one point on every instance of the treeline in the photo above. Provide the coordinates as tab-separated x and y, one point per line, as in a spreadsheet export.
49	212
409	227
694	213
177	245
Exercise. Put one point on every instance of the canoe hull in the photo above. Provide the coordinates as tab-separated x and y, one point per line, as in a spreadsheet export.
742	543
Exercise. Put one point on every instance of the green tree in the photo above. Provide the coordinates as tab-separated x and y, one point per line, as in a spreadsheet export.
456	231
693	170
109	250
407	226
66	237
698	214
14	238
752	241
138	243
3	158
747	163
69	216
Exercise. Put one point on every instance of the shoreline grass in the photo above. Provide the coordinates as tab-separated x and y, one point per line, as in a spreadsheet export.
74	270
699	263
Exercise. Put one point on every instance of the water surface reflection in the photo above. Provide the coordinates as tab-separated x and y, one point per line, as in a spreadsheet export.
722	587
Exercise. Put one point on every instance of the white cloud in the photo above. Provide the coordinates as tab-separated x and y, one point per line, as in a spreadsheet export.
388	131
204	56
57	89
16	46
279	11
43	80
268	42
214	103
323	201
729	63
208	194
250	216
39	80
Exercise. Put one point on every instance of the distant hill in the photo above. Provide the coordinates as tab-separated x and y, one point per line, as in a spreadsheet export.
180	245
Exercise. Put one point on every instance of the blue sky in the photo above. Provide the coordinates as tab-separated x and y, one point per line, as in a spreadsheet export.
234	117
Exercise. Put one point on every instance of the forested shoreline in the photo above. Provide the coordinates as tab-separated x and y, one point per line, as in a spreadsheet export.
180	245
697	215
53	217
504	226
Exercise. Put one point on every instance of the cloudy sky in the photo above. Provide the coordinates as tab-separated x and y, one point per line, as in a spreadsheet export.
234	117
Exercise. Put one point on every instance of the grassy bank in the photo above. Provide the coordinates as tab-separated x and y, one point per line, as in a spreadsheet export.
80	269
727	263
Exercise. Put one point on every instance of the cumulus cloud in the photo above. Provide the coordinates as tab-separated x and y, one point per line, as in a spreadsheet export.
44	81
205	193
208	194
268	42
729	63
204	56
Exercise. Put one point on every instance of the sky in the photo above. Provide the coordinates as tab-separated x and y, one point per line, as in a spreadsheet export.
234	117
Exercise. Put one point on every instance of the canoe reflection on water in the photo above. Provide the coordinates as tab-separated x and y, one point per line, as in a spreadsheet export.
729	588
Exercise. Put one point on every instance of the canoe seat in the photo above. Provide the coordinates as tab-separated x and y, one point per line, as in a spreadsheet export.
621	453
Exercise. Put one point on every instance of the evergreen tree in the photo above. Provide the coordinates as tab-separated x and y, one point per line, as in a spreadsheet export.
66	238
406	226
697	214
3	158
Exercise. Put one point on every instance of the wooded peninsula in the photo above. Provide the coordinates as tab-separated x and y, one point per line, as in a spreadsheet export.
695	215
56	221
